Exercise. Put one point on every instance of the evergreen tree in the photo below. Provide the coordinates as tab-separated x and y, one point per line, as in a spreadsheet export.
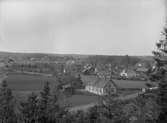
44	104
161	75
79	82
142	109
53	107
7	114
81	117
29	109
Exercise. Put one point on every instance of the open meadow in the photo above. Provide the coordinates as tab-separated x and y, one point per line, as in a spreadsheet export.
25	82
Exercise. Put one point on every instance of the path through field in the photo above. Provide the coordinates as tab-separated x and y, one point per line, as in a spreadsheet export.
82	107
88	106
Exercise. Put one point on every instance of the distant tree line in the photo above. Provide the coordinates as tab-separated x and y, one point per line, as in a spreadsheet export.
48	68
36	67
113	60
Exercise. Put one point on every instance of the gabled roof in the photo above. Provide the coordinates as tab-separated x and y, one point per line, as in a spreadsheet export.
101	83
94	80
89	79
129	84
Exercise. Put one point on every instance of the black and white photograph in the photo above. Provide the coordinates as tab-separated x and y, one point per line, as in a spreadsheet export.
83	61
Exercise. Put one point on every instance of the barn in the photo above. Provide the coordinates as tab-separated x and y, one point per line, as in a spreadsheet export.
98	86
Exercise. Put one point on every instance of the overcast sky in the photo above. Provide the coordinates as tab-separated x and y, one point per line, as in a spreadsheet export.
110	27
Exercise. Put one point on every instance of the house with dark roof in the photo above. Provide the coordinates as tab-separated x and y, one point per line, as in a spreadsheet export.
130	85
142	72
128	73
88	70
97	85
141	67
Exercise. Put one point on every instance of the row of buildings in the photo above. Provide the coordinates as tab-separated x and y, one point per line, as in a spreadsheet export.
99	82
102	86
139	71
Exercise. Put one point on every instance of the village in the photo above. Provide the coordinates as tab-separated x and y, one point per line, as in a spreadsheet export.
77	75
83	61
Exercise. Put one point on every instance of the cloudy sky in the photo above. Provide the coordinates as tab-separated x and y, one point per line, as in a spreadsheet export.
81	26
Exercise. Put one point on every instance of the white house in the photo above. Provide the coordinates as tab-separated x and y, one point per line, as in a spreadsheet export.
129	73
124	74
96	85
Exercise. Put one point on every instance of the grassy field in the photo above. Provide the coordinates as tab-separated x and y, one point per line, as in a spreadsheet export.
77	100
24	82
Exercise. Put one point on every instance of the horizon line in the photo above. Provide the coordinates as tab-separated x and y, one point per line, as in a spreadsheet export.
51	53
